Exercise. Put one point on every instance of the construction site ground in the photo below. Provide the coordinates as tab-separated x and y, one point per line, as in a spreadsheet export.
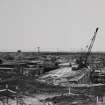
37	92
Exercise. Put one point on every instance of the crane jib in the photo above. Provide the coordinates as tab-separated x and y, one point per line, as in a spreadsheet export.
91	45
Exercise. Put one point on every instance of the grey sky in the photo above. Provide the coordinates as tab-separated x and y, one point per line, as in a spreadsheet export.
51	24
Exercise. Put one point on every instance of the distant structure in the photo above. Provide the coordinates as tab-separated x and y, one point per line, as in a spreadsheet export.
38	50
19	51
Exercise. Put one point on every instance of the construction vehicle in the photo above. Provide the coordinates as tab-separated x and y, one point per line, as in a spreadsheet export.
83	59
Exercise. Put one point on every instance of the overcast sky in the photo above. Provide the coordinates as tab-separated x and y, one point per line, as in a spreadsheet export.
51	24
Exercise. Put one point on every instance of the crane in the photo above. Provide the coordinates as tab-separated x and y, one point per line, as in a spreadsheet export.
83	63
91	45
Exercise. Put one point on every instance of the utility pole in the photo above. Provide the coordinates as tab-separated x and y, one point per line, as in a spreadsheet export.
57	51
38	50
17	95
69	91
34	53
6	96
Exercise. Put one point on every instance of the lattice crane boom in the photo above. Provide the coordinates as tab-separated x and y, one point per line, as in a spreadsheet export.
91	45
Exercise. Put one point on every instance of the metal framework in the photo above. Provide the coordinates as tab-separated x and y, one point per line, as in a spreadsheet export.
91	45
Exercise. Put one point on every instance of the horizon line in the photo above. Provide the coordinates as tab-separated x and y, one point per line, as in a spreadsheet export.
54	51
